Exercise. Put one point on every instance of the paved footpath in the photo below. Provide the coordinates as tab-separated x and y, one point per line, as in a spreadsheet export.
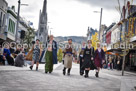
22	79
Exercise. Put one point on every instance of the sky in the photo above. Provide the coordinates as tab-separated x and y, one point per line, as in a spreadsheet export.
70	17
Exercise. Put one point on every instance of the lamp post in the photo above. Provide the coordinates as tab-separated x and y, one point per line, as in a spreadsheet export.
18	18
100	20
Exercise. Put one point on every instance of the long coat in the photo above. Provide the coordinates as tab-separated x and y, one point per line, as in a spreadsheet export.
98	57
54	51
68	52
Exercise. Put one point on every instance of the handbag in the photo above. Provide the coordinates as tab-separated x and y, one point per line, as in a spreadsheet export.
29	55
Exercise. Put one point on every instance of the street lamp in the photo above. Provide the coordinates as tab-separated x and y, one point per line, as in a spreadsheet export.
18	18
50	30
100	20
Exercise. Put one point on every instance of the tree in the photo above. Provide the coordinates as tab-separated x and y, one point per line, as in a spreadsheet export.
29	36
60	55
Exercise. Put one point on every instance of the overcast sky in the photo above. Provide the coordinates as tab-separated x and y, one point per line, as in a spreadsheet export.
70	17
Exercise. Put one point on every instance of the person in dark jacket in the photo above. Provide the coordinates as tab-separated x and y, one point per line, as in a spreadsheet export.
19	61
81	59
99	59
88	58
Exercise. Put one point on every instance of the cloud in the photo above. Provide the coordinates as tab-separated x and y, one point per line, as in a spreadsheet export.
107	4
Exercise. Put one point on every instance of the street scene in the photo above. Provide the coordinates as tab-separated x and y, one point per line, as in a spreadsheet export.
68	45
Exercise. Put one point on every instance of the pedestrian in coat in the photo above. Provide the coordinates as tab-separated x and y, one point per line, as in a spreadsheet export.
19	61
36	54
88	58
68	52
51	55
81	58
99	59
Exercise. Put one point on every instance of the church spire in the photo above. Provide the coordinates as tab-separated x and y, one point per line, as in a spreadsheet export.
44	11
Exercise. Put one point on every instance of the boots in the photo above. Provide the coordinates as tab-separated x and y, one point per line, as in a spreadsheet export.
86	73
64	71
31	67
69	71
36	68
97	74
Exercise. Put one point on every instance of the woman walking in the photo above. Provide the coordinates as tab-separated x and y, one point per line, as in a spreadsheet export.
36	54
88	57
99	59
51	55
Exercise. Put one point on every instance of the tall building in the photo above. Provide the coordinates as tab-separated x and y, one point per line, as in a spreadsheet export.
103	27
3	12
42	32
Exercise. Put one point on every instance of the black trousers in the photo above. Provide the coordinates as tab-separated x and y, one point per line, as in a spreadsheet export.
10	60
2	60
81	63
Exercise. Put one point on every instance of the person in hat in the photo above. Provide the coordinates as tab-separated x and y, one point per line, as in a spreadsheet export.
51	55
88	57
99	58
68	52
36	54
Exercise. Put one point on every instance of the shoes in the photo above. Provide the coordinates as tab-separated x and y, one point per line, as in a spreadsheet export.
86	76
68	74
69	71
81	73
97	74
86	73
64	71
31	67
46	72
36	68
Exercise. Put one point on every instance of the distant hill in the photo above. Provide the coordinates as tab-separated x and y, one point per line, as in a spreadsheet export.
76	39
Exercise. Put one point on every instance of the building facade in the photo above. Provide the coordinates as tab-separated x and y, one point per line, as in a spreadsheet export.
103	27
11	23
3	12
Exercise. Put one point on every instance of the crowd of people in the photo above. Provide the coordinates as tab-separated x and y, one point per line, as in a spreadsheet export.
9	55
114	62
89	58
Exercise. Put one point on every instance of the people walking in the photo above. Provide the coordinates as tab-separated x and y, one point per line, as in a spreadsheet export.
81	58
36	54
68	52
51	55
88	58
99	59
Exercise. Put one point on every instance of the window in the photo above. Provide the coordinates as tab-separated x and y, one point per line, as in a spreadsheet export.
11	26
3	19
0	19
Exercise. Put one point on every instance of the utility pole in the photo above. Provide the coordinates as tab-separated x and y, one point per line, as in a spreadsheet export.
100	22
18	19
